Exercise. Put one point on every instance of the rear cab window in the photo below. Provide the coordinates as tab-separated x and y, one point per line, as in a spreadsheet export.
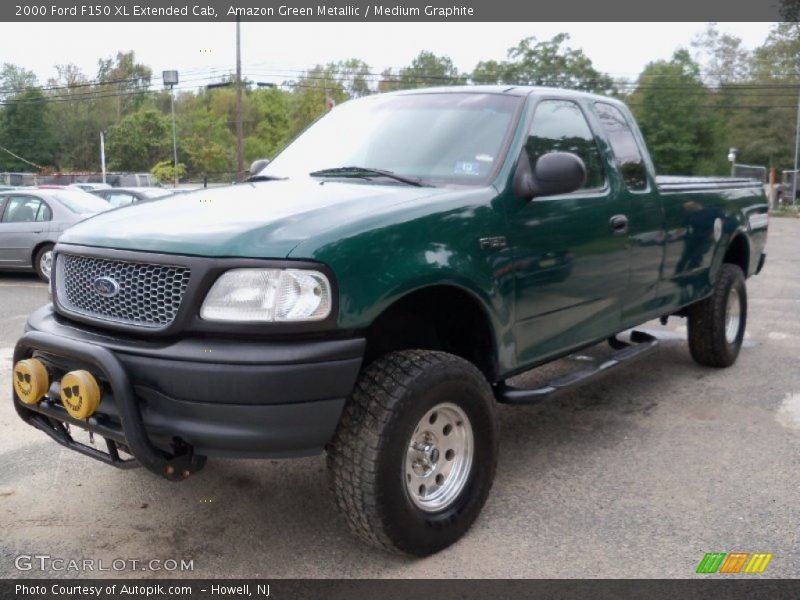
626	150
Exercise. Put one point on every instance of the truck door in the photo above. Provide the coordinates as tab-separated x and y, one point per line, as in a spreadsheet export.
571	259
644	212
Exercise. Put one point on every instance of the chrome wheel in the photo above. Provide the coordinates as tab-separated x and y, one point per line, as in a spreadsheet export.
439	457
733	316
46	263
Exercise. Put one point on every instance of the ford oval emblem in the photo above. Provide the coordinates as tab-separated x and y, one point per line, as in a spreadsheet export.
106	287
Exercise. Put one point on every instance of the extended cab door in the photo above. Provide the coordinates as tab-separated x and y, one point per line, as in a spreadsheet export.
570	250
644	212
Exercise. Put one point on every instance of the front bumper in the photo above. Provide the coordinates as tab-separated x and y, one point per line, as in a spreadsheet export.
170	403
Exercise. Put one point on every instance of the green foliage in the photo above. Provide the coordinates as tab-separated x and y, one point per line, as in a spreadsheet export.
428	70
551	63
139	141
691	110
24	131
669	104
165	171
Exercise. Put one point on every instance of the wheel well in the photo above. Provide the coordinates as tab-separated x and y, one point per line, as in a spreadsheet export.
738	253
442	318
36	249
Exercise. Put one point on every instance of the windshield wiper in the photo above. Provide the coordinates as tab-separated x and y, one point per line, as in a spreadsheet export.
263	178
365	172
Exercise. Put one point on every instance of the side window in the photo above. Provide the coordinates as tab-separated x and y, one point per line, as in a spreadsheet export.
626	150
120	199
44	213
21	209
559	126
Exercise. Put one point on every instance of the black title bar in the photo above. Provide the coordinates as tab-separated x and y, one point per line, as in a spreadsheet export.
397	11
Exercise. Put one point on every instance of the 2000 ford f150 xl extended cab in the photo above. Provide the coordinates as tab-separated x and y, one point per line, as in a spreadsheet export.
369	292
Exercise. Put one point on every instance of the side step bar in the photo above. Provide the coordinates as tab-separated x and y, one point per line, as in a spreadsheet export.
641	343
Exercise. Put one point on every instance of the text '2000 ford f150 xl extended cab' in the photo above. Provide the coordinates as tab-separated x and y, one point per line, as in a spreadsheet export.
369	292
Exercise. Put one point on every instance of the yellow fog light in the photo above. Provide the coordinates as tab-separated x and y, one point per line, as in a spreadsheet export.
31	380
80	394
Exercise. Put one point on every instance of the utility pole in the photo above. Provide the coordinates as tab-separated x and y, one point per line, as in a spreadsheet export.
103	154
796	153
239	132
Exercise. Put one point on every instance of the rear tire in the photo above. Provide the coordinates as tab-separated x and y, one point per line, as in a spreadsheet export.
717	324
414	457
43	262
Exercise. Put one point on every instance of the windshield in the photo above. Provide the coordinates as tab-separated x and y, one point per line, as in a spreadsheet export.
81	202
436	138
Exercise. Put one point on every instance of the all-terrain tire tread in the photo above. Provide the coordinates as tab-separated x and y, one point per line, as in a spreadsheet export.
379	396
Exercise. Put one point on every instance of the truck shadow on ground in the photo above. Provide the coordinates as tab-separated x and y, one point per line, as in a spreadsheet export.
267	503
259	518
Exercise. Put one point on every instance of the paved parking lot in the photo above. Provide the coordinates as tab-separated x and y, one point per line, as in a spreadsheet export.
637	476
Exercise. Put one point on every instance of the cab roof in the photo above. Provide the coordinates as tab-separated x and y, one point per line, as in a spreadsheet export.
511	90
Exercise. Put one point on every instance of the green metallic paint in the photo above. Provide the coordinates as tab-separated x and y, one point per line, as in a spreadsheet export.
562	282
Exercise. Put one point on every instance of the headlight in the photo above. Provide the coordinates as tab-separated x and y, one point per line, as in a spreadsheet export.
268	295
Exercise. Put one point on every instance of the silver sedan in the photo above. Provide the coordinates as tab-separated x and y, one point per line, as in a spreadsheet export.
31	219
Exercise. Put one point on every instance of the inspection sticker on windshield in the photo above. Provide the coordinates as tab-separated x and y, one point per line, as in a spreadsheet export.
466	167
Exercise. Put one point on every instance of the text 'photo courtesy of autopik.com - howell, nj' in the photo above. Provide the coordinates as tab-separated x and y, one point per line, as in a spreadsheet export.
353	299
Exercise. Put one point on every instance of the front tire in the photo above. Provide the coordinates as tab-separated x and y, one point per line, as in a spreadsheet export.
717	324
43	262
414	457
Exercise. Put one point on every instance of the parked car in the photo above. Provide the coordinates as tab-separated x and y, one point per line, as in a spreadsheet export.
125	196
5	188
31	219
127	179
373	289
89	187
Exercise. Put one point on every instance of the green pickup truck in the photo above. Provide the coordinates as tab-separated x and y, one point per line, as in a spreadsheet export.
370	292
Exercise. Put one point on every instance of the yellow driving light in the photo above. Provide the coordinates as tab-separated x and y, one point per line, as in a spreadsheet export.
31	380
80	394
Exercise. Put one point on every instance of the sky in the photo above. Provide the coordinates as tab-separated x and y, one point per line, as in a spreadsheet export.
275	52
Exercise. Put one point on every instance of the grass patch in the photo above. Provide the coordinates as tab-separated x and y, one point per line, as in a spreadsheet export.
792	212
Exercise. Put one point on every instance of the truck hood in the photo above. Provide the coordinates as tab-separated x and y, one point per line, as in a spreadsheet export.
251	220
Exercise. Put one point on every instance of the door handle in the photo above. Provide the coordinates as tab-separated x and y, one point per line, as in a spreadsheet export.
618	224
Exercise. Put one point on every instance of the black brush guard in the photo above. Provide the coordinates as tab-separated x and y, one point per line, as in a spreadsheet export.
51	418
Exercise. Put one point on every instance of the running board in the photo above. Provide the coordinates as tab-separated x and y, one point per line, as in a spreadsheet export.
641	343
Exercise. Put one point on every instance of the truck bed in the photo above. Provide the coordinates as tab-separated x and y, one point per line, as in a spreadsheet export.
685	183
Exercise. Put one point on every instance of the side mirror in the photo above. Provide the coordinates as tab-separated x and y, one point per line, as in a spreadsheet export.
257	165
555	173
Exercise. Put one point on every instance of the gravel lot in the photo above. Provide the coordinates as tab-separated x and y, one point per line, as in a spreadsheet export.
638	475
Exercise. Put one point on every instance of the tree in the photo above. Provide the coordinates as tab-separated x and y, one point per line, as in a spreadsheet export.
165	171
671	105
124	81
722	56
312	93
139	141
74	124
765	133
427	69
24	131
15	79
551	63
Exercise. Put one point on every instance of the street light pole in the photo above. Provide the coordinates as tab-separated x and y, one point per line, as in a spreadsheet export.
170	78
174	136
239	132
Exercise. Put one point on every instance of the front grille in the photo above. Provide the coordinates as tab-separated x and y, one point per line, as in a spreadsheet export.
147	295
